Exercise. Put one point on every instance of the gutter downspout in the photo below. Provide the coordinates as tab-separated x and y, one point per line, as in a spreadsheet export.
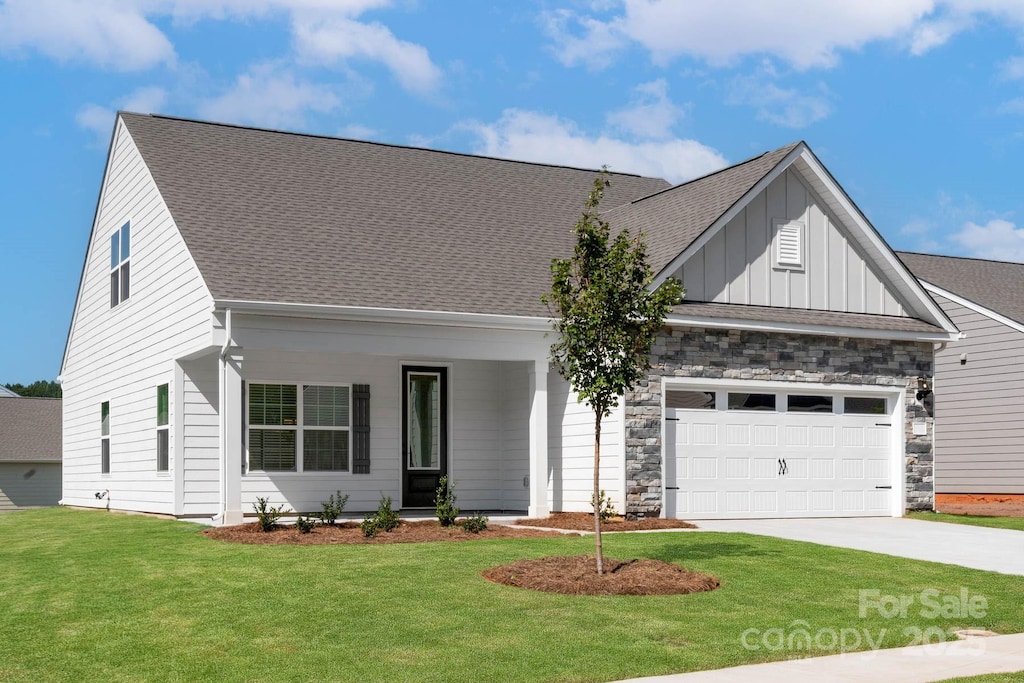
939	348
223	426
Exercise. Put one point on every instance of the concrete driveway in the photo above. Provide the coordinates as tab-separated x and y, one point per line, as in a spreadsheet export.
998	550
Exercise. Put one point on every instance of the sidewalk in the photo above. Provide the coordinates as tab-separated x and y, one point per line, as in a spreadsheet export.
921	664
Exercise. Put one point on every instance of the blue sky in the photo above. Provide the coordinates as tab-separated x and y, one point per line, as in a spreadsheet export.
916	106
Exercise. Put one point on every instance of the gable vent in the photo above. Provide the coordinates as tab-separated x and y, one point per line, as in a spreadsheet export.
789	242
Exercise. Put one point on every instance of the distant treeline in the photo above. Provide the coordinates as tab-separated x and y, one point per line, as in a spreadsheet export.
40	389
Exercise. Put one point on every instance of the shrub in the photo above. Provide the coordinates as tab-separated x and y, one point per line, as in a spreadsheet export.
369	525
475	524
605	508
444	503
267	516
332	507
386	518
304	524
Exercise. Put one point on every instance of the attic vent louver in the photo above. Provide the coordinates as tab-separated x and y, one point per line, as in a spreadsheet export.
789	242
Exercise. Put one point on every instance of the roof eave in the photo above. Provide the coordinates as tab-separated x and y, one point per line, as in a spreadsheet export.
939	336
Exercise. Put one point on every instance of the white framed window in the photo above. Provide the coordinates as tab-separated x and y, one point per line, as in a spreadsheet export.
789	244
318	427
105	437
120	268
162	437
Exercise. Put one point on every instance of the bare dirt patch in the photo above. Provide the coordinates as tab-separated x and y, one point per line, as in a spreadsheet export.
577	575
349	532
584	521
992	505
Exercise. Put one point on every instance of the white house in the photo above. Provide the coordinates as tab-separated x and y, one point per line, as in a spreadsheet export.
271	314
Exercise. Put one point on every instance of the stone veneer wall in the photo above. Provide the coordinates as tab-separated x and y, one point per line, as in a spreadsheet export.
738	354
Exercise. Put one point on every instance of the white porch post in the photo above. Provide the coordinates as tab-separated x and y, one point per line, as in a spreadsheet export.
232	424
539	506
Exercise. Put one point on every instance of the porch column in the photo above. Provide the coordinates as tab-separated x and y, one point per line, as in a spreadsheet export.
232	424
539	439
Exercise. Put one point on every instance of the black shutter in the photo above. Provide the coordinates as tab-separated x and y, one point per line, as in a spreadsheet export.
360	429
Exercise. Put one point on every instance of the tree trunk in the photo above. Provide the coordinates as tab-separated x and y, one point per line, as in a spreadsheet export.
597	492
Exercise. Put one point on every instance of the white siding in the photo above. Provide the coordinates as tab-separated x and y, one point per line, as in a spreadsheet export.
29	484
487	427
122	354
200	437
571	451
736	266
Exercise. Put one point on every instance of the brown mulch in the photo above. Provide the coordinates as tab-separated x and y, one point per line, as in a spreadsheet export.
985	505
349	532
584	521
577	575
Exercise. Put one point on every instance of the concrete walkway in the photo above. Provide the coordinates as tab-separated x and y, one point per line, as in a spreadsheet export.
998	550
921	664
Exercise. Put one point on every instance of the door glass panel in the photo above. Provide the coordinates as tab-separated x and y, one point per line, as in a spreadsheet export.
424	421
698	400
810	404
751	401
864	406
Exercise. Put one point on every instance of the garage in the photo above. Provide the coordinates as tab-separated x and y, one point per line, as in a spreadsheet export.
30	452
743	449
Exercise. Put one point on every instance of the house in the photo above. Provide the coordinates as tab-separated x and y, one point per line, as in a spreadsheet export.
30	452
979	380
7	393
269	314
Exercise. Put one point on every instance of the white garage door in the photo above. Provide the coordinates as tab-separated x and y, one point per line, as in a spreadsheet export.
742	452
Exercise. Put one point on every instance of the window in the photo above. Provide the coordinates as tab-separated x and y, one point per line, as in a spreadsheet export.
789	244
280	426
810	404
120	275
105	437
751	401
859	405
699	400
162	454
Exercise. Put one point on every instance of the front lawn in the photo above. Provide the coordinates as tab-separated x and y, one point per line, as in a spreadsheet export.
1016	523
97	596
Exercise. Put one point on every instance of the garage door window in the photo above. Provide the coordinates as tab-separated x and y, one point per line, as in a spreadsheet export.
698	400
751	401
861	405
809	404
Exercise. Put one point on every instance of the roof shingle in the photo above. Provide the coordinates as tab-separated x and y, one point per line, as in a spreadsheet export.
802	316
996	285
30	429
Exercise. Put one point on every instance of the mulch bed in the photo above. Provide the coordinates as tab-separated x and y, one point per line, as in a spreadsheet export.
577	575
584	521
349	532
984	509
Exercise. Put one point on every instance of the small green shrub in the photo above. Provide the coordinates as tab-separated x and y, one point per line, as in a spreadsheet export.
369	525
266	515
332	507
444	503
605	508
386	518
475	523
305	524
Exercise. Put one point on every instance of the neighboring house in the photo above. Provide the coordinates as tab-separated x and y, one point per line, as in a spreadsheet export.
267	314
30	449
7	393
979	380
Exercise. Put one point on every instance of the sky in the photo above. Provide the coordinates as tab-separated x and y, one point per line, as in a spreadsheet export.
916	106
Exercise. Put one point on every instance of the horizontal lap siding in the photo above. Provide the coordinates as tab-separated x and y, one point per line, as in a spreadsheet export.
29	484
515	435
571	451
979	445
122	354
201	436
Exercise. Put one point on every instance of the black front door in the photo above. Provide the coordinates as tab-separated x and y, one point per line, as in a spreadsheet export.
424	433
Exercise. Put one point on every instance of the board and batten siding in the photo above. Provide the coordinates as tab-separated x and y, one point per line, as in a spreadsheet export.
488	431
737	265
571	451
979	434
122	354
29	484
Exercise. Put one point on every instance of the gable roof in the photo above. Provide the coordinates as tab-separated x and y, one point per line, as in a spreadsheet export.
672	219
283	217
995	285
7	393
30	429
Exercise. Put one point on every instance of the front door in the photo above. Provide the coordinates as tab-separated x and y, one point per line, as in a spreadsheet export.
424	433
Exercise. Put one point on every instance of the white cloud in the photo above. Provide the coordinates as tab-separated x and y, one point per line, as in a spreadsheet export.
1012	69
269	96
110	34
531	136
100	120
788	107
651	114
1014	106
997	239
355	131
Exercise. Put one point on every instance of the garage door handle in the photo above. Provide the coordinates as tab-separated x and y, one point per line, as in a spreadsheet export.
883	424
671	488
883	487
783	467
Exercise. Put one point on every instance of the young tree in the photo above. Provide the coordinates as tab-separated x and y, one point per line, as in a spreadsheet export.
606	317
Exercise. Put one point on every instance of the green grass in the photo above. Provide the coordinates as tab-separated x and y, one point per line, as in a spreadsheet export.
96	596
1016	523
990	678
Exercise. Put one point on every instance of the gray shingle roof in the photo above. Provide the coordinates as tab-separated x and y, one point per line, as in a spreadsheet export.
800	316
674	218
30	429
282	217
996	285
